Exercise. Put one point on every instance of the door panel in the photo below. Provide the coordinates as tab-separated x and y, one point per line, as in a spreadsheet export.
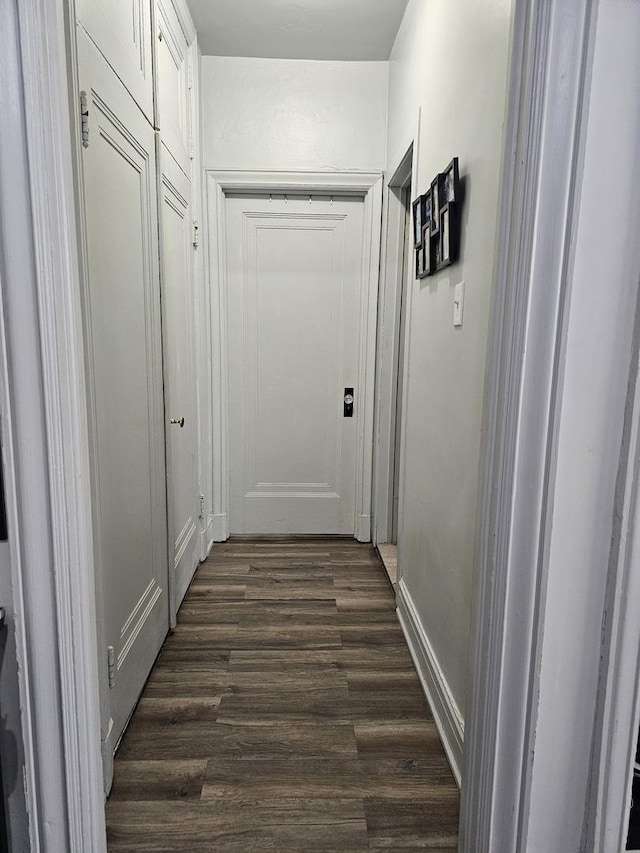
172	56
121	29
124	355
180	390
294	277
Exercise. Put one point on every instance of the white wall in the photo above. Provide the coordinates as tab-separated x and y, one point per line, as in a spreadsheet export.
287	115
450	60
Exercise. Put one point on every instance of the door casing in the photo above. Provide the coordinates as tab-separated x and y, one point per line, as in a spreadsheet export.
392	282
369	186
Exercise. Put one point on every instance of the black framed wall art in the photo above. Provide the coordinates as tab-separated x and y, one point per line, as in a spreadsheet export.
436	222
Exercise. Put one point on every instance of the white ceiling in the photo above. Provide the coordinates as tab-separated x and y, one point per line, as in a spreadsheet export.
298	29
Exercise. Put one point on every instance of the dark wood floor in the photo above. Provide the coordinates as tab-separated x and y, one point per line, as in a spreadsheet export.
284	714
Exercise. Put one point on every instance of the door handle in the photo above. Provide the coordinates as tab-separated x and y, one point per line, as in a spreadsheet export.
179	421
348	402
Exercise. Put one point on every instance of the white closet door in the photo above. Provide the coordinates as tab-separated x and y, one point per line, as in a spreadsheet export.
172	84
294	288
125	368
121	29
180	371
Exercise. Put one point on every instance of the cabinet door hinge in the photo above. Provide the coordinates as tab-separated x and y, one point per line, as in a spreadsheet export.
84	119
201	505
111	663
196	240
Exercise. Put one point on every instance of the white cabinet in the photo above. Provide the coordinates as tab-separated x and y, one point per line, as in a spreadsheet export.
174	78
142	367
124	356
121	29
180	366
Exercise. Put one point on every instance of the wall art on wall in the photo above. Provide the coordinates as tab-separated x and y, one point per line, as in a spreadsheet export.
424	267
451	181
417	222
436	222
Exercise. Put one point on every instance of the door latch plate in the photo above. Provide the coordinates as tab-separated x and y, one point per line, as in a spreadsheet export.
348	402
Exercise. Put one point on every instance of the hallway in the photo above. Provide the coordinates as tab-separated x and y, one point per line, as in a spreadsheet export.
284	714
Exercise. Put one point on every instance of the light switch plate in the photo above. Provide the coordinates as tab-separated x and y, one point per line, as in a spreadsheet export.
458	303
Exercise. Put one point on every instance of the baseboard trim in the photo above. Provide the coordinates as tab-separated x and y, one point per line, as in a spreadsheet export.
220	527
206	540
363	528
449	721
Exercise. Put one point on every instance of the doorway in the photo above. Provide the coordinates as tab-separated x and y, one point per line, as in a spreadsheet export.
391	363
296	308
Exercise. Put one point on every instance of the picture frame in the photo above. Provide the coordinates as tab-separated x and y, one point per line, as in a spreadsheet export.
426	212
436	222
418	206
423	264
451	182
445	231
436	191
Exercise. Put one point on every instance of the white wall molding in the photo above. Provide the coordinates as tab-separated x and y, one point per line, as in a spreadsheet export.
550	45
447	716
66	623
207	538
219	527
388	357
367	184
185	19
415	165
338	183
363	528
619	705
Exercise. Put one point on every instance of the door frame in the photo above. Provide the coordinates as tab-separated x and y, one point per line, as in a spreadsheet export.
368	185
53	563
550	78
392	283
550	51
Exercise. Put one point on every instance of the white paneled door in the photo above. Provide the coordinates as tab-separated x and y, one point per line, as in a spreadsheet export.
173	75
125	367
180	373
122	31
294	282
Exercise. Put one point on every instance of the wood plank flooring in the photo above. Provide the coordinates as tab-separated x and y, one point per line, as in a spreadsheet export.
284	714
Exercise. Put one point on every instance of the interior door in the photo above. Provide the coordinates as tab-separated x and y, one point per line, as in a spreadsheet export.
123	332
173	83
293	289
121	29
180	370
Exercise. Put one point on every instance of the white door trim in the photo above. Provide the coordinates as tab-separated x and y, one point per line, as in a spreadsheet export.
388	357
547	82
366	184
57	641
619	706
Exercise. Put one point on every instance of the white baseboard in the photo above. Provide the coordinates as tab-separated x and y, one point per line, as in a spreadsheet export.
449	721
363	528
206	540
220	527
107	748
184	581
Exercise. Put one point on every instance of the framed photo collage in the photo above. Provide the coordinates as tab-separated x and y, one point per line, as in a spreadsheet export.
436	223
